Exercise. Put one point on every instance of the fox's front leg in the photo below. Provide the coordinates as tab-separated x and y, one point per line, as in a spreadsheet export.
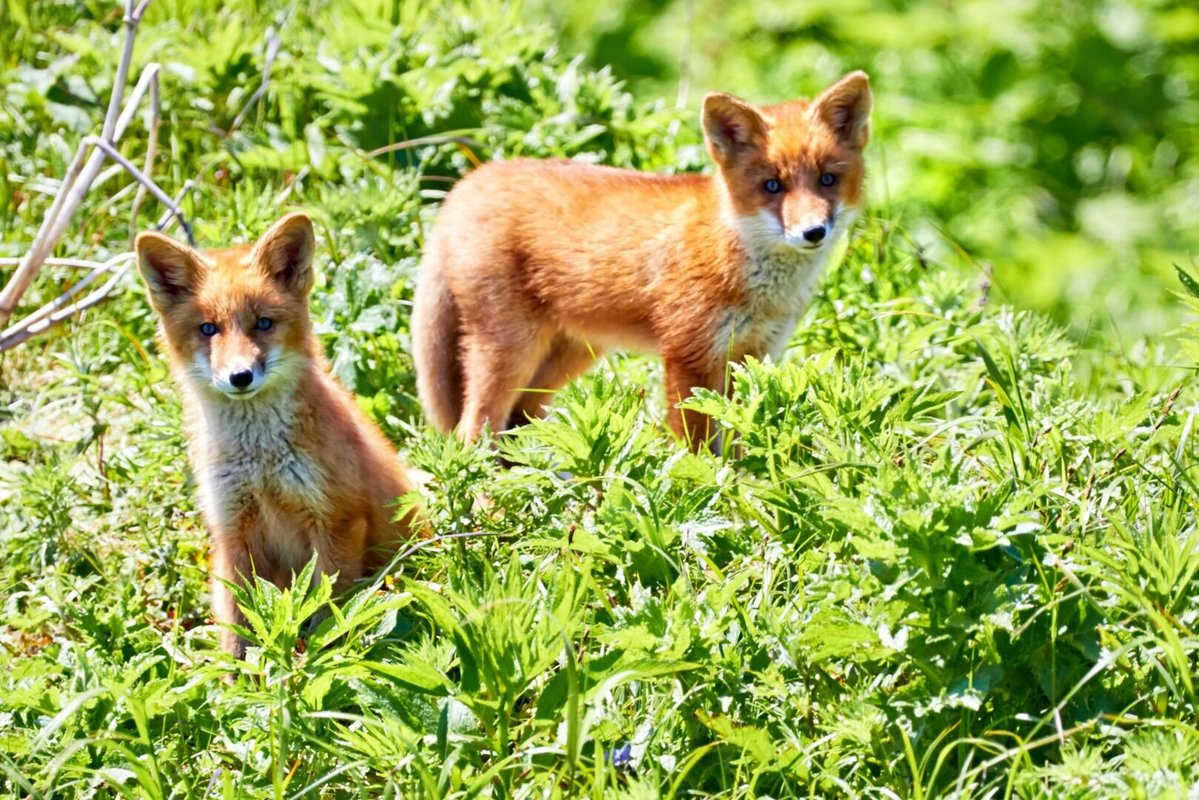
343	551
684	372
230	562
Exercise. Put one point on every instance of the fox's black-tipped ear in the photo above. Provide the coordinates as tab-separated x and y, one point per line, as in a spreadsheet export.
286	251
845	107
170	269
730	124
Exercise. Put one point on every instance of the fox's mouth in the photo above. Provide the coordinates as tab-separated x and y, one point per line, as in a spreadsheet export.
798	243
241	394
279	371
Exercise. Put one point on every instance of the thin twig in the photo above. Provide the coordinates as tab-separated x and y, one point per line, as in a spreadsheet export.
148	77
437	138
92	299
141	177
423	543
78	263
120	194
295	181
43	244
58	302
168	217
272	50
78	180
153	119
47	316
109	131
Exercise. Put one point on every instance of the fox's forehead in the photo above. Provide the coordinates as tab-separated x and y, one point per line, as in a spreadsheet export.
798	143
233	284
230	258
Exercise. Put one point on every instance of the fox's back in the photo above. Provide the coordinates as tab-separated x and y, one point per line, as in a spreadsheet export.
578	210
564	192
582	239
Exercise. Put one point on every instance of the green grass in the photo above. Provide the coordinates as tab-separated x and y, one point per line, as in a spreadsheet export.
938	563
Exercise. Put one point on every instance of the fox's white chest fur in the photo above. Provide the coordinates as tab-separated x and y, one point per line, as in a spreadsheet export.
780	287
248	461
780	282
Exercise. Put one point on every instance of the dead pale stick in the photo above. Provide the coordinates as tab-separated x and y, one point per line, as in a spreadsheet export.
98	268
84	167
153	118
57	311
78	181
144	180
272	50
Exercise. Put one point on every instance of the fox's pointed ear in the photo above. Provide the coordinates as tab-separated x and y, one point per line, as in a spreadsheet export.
170	269
730	124
286	250
845	107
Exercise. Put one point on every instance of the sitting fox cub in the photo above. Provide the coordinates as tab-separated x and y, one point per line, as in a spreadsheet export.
285	461
534	267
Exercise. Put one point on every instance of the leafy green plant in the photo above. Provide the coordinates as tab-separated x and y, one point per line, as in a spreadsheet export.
949	551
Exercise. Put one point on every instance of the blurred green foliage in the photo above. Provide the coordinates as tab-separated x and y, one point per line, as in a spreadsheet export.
938	563
1055	140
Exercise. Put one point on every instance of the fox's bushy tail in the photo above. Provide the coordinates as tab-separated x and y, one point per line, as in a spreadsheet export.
435	348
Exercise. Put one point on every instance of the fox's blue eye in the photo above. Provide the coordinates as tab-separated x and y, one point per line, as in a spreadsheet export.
208	329
263	324
773	186
828	179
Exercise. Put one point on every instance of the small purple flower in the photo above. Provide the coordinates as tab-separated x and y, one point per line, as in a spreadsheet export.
621	757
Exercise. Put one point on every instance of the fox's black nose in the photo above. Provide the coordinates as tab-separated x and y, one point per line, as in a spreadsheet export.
241	380
814	234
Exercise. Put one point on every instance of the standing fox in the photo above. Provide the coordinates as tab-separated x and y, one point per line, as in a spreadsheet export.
535	267
285	461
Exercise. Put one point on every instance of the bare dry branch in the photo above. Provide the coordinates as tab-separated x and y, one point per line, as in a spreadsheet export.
98	269
272	50
78	263
78	181
437	138
86	165
145	181
55	312
7	342
153	119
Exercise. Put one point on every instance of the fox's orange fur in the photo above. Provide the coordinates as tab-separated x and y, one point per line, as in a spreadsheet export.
286	462
535	267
